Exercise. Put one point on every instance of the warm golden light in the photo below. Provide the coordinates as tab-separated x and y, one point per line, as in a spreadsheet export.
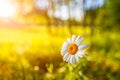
6	8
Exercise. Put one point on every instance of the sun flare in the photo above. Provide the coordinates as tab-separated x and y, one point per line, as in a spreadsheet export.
7	9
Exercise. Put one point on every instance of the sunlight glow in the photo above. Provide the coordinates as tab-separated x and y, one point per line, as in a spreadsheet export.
6	8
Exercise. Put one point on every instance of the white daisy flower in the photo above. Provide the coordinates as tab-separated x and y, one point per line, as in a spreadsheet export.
72	49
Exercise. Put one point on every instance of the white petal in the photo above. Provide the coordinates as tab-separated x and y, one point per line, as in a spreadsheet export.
65	45
78	42
73	59
81	47
77	38
64	51
65	57
68	40
76	58
81	54
68	58
73	38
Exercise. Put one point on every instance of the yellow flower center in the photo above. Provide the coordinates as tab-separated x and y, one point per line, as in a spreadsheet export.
72	48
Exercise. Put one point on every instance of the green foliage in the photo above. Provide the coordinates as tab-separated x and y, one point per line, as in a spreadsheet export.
114	13
49	68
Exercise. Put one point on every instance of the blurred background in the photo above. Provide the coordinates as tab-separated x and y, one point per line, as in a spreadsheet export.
32	33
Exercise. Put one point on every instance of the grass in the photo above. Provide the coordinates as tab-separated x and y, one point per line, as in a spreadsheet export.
33	53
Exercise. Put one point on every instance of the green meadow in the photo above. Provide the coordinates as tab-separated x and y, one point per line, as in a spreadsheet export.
33	53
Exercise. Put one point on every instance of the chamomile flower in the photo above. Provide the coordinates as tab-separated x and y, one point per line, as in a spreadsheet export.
72	49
